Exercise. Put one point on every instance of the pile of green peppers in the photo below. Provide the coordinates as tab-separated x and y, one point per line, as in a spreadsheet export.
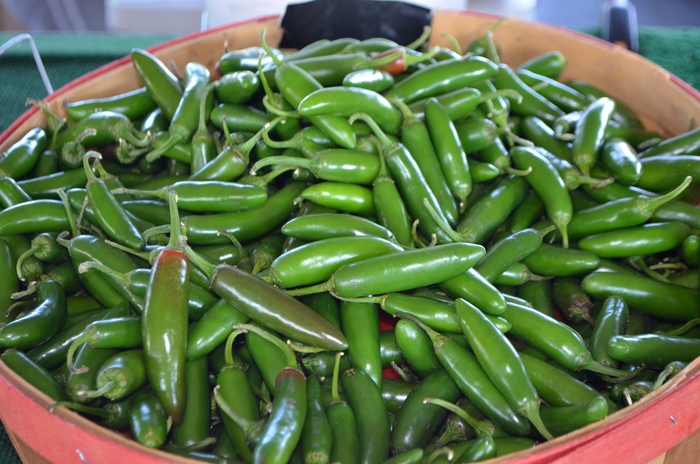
356	252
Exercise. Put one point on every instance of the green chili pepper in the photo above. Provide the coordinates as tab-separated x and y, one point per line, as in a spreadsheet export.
119	376
549	64
571	300
270	306
443	77
372	418
20	158
133	104
536	130
147	421
508	251
161	84
653	350
330	225
417	421
554	385
41	323
164	326
563	96
449	151
551	337
316	261
555	261
548	184
488	213
501	363
532	103
471	378
345	447
379	274
11	193
634	241
33	374
316	437
590	134
197	417
477	290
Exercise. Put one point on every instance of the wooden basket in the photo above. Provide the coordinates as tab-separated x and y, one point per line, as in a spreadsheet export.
663	427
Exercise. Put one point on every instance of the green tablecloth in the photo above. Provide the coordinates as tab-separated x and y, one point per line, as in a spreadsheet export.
67	57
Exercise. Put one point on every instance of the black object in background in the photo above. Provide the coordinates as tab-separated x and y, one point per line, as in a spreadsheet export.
304	23
620	24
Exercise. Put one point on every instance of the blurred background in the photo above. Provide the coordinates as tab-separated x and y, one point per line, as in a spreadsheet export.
182	16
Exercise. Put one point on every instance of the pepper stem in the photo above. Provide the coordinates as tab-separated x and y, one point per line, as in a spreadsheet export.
457	48
598	368
425	35
228	352
482	429
291	143
685	327
157	230
177	240
278	62
318	288
432	457
69	211
23	257
263	181
206	267
250	428
98	412
77	343
378	132
109	385
532	412
147	256
507	93
648	207
290	357
336	373
91	177
402	373
457	237
281	160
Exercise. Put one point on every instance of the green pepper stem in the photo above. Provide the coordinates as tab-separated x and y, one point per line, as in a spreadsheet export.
147	256
104	389
291	143
378	132
242	252
202	127
91	177
270	107
87	265
318	288
23	257
278	62
457	237
98	412
334	381
410	59
457	48
176	238
206	267
408	115
290	357
299	348
652	203
77	343
685	327
668	370
532	412
425	35
378	62
228	352
250	428
432	457
281	161
160	151
639	263
482	429
263	181
503	93
32	289
598	368
402	373
157	230
55	123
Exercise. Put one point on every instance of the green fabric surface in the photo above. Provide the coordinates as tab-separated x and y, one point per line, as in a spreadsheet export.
67	57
